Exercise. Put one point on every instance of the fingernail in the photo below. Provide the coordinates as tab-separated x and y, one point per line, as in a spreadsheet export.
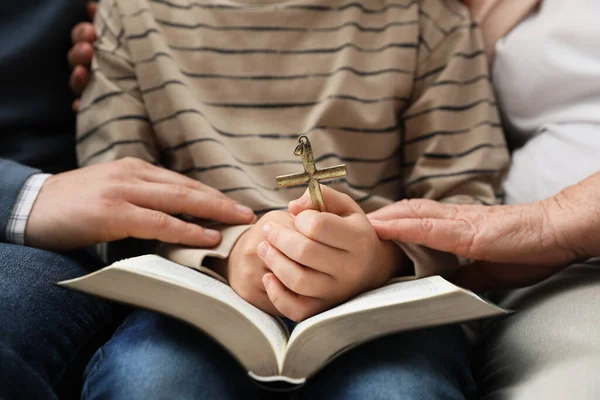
267	229
267	281
262	249
211	233
376	222
244	211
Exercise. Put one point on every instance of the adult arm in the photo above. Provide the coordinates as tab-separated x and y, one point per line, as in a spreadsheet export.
518	244
125	198
12	180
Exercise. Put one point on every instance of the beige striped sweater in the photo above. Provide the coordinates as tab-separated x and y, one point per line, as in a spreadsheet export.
220	90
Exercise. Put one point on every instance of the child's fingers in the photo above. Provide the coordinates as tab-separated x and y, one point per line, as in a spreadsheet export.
329	229
297	278
293	306
261	300
303	250
335	202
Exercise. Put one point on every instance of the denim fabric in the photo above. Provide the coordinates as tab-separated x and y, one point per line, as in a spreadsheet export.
155	357
43	328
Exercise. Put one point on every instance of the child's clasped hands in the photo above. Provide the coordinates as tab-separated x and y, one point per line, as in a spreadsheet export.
301	263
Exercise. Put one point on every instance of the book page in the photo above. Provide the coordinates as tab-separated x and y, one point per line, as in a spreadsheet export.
394	293
163	268
256	339
394	308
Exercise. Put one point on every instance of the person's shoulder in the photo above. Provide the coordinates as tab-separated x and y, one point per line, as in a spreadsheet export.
439	19
112	9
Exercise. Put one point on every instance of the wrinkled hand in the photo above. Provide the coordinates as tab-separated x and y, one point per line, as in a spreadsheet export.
126	198
244	269
325	258
546	234
83	37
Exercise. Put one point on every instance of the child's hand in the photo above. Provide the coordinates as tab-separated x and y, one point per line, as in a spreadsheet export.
244	269
324	258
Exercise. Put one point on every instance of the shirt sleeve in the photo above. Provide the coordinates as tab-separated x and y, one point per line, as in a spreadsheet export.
454	146
195	258
12	178
17	220
112	122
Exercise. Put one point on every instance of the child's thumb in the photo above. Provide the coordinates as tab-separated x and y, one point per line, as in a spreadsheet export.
335	202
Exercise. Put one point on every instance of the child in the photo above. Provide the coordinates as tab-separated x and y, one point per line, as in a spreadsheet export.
399	91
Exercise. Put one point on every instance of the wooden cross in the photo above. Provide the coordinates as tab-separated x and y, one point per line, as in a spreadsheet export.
311	174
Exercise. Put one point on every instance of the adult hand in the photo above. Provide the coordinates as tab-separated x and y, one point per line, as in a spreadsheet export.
244	269
83	36
324	258
126	198
551	232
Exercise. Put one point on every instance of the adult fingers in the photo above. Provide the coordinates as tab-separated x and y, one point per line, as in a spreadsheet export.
142	223
326	228
414	208
303	250
83	32
176	199
92	6
297	278
455	236
80	54
335	202
152	173
293	306
79	80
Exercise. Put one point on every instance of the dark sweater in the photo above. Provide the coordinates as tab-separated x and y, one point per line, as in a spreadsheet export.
36	121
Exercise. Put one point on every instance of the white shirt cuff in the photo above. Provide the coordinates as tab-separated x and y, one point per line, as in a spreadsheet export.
17	220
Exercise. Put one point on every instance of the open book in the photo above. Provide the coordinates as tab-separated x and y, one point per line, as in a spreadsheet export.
261	343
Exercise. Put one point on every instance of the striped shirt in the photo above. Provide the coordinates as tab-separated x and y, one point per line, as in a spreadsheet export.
220	90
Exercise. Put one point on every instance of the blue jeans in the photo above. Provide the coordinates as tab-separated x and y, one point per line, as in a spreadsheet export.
46	332
155	357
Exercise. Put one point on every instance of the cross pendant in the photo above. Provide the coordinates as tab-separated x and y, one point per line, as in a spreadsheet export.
311	174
